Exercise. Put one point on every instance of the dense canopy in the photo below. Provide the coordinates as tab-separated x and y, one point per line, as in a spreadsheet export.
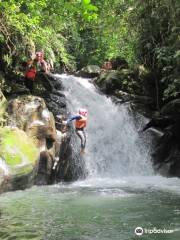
75	33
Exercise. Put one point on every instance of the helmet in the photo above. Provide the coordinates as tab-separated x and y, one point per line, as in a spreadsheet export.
83	112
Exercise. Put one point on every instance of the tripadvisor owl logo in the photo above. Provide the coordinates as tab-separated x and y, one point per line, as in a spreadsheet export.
139	231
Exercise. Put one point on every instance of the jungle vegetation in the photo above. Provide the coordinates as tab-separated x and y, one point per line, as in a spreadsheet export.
75	33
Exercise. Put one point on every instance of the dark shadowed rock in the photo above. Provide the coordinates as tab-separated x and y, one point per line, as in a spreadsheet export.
71	164
166	153
118	63
171	108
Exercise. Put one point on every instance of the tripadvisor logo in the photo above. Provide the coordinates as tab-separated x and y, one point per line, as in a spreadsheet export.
139	231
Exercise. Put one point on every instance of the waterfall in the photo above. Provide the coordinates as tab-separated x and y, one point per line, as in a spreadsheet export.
114	146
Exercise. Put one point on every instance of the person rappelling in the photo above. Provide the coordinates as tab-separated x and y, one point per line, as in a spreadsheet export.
80	125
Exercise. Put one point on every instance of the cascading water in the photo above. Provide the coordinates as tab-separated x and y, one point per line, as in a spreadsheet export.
114	147
120	194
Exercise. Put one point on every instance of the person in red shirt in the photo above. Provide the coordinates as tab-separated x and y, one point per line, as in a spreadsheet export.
30	75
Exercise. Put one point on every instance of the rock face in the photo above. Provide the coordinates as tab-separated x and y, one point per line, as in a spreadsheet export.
166	153
18	159
30	114
167	150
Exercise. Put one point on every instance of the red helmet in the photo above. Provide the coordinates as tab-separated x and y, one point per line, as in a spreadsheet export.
83	112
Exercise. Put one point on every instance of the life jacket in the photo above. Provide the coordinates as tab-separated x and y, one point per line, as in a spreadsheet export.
30	73
81	123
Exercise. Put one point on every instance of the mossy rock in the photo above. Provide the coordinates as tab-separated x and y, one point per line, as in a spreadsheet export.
17	152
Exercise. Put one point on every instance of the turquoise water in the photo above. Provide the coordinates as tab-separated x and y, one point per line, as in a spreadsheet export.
98	209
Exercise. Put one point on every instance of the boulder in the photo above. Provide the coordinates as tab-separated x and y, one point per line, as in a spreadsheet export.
18	159
89	71
109	81
30	114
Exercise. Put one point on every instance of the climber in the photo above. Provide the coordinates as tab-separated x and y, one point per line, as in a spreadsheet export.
30	75
80	124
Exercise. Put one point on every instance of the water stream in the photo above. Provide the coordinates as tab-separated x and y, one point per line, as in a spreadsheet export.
120	193
114	147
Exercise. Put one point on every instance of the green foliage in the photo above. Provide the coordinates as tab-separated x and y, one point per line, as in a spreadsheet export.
109	36
49	24
80	32
157	22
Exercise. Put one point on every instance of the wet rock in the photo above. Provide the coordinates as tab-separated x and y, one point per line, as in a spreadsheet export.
71	164
57	104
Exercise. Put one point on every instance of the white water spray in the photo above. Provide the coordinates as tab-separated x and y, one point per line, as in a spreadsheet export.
114	147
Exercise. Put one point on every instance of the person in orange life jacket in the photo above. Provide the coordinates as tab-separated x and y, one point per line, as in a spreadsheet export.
30	75
80	124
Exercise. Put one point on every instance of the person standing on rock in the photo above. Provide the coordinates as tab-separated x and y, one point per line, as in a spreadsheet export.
41	64
30	75
80	125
